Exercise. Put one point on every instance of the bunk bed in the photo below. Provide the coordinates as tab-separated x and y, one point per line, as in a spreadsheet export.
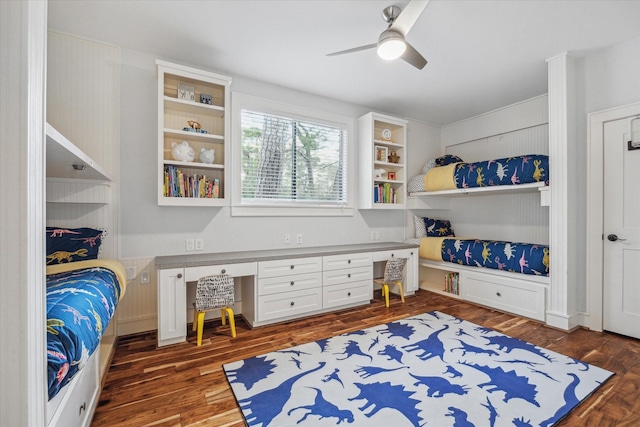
82	289
507	275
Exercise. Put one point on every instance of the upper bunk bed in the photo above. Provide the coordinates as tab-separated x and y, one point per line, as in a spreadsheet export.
73	176
450	176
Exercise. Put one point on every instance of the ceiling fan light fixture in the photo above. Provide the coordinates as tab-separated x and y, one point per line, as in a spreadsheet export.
391	45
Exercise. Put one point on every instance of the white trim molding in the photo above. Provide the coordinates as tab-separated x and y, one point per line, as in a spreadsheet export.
561	309
593	319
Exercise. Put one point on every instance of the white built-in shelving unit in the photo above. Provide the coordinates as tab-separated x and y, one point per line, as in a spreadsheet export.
380	137
175	110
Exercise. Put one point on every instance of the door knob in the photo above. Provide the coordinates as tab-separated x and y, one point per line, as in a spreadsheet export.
613	238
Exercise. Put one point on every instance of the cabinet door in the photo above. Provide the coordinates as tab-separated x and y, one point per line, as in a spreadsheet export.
172	307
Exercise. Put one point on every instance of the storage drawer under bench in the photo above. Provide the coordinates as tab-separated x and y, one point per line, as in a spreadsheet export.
521	297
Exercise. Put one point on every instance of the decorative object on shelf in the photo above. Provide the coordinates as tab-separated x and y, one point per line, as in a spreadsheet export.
393	157
386	134
194	127
381	153
391	176
182	152
186	92
207	156
206	98
377	173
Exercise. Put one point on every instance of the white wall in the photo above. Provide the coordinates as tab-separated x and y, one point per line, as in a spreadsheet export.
605	79
148	230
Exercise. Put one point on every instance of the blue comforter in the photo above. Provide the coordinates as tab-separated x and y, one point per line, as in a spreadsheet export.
80	304
507	171
525	258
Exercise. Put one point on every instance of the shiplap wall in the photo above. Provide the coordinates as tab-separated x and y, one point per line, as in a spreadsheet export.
83	104
514	130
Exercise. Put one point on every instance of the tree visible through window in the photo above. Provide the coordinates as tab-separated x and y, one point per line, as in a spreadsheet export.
289	160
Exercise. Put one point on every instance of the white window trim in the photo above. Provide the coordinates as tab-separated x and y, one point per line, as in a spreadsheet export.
241	101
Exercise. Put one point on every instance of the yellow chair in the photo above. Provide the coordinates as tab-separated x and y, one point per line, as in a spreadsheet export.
212	293
392	276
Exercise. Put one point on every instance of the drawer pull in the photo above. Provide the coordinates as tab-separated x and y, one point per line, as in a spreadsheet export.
292	266
292	283
348	294
83	408
179	276
498	294
349	275
291	303
348	261
223	271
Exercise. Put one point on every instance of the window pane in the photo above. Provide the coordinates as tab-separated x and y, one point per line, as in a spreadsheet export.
287	160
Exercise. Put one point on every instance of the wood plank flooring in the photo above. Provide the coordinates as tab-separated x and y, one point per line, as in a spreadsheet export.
184	385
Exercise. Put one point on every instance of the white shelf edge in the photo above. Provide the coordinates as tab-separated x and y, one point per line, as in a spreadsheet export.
505	189
388	143
62	154
194	165
192	201
448	266
193	104
204	136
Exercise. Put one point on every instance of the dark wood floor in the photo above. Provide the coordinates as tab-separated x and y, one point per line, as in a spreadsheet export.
184	385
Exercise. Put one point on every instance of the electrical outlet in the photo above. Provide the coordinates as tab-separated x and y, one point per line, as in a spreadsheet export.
373	235
287	238
189	245
144	277
131	273
299	238
199	244
377	235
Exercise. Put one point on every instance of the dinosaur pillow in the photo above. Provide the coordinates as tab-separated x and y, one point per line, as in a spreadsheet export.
438	227
72	244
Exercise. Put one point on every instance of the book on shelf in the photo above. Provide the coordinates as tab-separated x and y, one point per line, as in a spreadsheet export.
384	193
451	283
179	184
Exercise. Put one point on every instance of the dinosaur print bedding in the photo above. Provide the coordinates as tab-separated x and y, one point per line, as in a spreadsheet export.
81	300
523	258
519	170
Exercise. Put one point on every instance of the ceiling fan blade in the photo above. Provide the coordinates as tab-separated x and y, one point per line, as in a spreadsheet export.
413	57
355	49
409	16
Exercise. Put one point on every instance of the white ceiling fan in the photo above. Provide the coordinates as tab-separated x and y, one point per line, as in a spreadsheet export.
391	43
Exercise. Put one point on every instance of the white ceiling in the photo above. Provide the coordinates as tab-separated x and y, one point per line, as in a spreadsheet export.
482	54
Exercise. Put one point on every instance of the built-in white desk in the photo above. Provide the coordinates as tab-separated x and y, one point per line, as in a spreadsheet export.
280	284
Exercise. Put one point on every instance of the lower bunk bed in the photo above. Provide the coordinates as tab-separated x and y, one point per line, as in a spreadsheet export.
81	301
508	276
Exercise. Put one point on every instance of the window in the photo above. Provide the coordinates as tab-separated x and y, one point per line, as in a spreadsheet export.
290	160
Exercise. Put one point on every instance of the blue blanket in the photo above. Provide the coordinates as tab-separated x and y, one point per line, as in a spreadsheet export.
525	258
80	304
507	171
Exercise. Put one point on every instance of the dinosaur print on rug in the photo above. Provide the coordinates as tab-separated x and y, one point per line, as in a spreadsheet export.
428	370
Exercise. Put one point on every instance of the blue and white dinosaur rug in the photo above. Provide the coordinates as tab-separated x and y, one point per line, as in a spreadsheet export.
427	370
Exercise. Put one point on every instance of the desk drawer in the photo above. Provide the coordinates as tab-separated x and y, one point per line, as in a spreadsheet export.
192	274
337	262
346	275
511	295
288	304
347	293
285	267
295	282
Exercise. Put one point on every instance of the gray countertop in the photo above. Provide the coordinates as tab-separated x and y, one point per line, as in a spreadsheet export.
198	260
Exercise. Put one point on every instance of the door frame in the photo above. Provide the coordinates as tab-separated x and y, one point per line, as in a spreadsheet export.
593	319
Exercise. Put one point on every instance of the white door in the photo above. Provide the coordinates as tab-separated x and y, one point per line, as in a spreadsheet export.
621	299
